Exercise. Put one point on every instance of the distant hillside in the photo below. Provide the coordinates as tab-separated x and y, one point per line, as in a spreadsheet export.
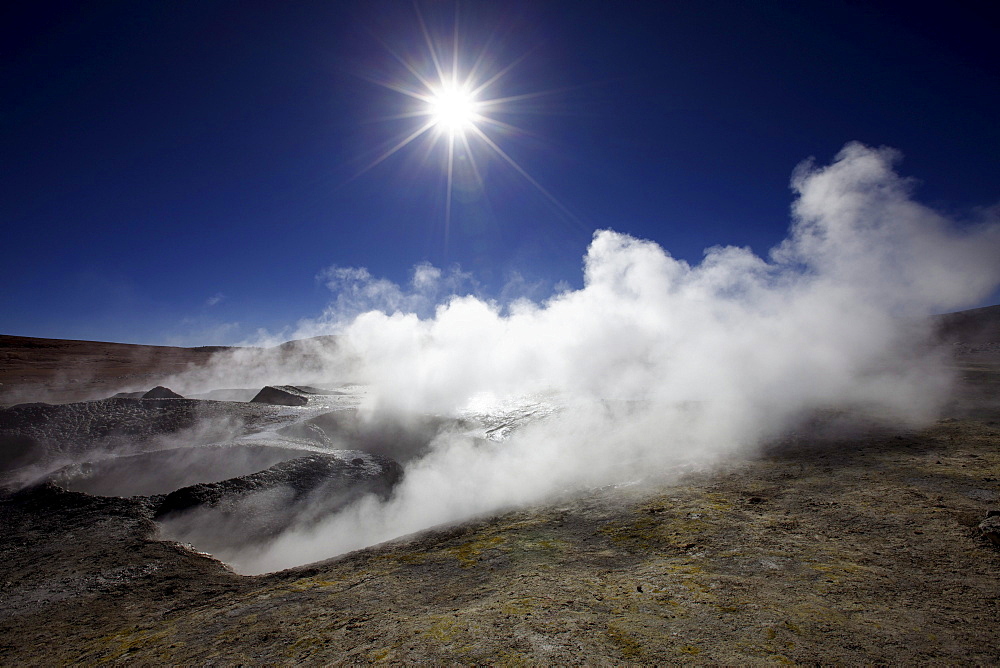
976	327
58	370
33	369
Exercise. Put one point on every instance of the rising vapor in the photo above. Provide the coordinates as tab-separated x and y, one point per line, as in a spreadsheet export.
654	361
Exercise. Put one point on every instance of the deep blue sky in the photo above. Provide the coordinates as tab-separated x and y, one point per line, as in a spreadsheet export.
170	169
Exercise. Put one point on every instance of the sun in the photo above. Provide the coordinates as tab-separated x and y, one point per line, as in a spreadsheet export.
453	108
458	112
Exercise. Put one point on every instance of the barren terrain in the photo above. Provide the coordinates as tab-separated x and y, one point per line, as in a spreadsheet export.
855	550
33	369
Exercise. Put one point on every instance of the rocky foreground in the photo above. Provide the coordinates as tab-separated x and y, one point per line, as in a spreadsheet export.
874	549
850	553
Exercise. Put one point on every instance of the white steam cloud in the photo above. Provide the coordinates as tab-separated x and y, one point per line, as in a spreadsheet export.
656	361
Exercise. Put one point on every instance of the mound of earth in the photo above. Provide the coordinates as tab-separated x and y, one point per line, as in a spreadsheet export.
58	370
160	392
281	395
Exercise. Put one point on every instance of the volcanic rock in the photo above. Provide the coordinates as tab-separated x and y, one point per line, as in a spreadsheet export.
281	395
160	392
990	527
66	549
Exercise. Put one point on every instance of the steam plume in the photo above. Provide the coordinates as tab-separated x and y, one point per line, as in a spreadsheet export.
656	361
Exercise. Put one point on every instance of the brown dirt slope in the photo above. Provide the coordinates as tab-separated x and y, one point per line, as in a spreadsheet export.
57	370
975	327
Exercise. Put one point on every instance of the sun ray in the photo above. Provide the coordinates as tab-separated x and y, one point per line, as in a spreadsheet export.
402	143
520	170
499	75
472	162
431	47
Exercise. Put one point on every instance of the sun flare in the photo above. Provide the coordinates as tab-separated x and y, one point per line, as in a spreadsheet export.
453	108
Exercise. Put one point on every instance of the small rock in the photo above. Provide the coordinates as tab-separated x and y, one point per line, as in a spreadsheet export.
990	528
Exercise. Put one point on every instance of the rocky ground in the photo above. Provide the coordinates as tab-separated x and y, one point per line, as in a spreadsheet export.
859	551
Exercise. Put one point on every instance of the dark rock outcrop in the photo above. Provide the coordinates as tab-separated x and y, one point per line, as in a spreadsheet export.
990	527
160	392
281	395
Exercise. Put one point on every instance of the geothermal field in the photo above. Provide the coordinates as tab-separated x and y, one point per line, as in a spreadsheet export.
149	516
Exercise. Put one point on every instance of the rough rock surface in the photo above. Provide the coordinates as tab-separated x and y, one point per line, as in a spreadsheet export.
990	527
85	556
160	392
